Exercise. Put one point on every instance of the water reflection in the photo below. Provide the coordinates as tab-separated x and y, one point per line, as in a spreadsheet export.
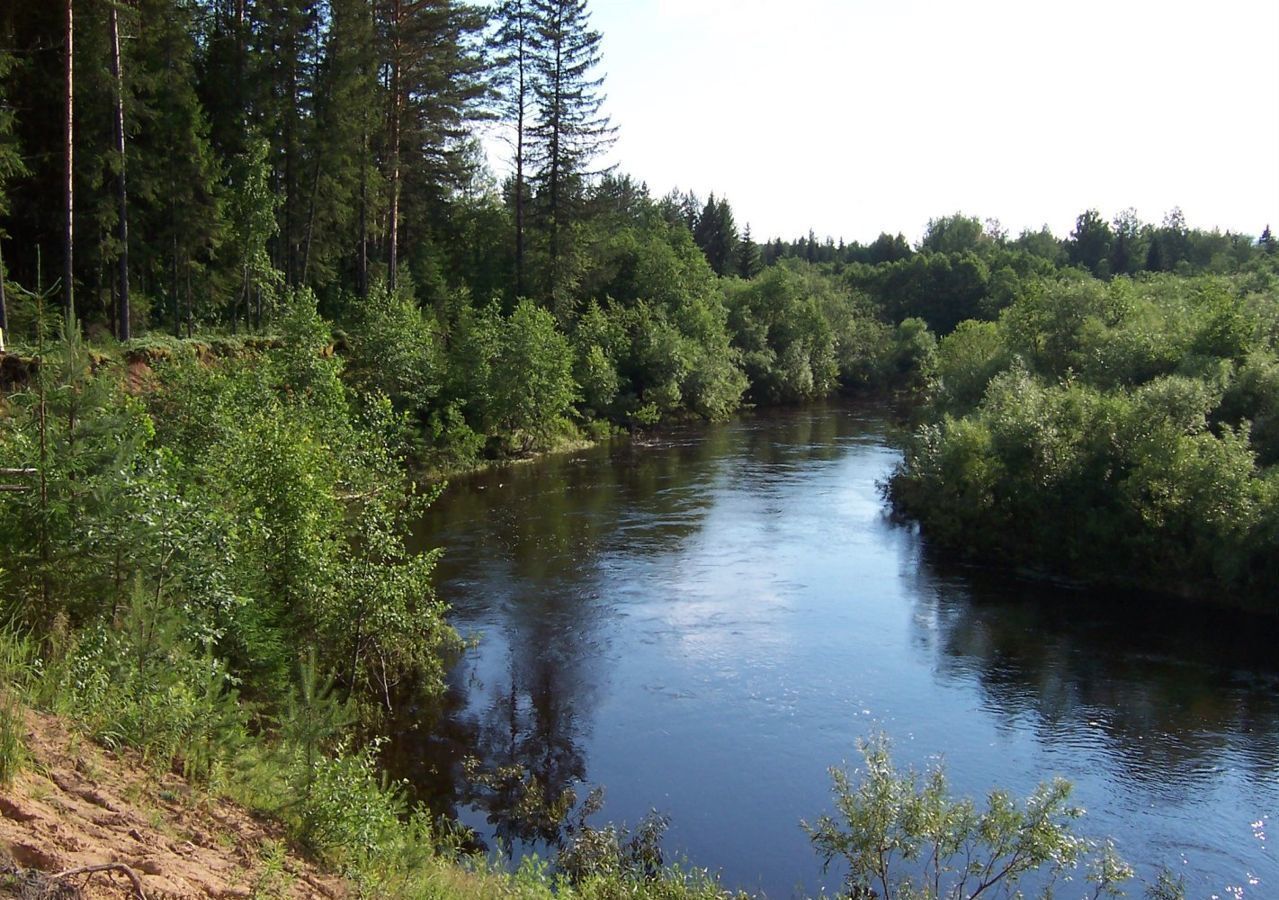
706	621
1167	686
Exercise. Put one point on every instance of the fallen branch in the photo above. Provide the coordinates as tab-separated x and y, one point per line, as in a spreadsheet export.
106	867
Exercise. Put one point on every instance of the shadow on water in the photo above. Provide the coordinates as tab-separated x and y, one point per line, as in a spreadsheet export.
1167	684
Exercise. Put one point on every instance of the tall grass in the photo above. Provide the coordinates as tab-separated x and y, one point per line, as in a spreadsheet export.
17	667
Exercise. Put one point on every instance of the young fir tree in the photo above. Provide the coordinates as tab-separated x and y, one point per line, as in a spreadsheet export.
571	131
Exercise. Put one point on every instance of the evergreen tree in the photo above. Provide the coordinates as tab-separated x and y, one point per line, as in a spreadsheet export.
516	45
68	268
286	44
223	78
123	315
343	184
11	167
889	248
174	173
435	79
749	264
1266	241
716	235
571	131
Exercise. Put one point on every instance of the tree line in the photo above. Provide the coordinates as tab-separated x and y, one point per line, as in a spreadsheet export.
179	163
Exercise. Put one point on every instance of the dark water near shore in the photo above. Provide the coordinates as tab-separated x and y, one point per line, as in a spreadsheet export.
706	622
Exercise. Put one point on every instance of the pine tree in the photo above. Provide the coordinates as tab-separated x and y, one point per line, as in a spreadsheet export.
434	74
123	329
516	45
1267	241
68	268
571	131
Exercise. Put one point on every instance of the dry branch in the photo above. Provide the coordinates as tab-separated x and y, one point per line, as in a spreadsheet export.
106	867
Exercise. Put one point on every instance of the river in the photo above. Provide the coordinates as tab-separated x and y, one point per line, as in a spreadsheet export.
705	621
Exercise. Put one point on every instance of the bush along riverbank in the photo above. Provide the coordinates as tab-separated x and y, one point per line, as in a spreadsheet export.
1123	431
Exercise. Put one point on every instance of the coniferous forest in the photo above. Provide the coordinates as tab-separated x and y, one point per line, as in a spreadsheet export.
260	290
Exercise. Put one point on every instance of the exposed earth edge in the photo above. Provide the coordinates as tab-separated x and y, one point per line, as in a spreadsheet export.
76	806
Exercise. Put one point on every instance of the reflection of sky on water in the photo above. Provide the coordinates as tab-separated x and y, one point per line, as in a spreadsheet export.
706	624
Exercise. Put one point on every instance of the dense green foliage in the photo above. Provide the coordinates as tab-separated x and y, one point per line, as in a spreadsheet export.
203	545
1120	430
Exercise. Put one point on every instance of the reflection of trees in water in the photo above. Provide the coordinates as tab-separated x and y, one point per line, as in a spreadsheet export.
1171	685
524	548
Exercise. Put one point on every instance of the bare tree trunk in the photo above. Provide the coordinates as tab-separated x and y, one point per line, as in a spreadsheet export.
310	221
173	279
124	329
393	228
4	311
519	190
362	265
521	102
68	268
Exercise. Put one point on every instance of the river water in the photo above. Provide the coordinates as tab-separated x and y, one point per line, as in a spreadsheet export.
705	622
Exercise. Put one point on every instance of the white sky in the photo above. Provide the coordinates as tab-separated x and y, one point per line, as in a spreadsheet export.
852	117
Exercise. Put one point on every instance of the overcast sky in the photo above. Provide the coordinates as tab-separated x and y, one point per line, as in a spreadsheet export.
852	117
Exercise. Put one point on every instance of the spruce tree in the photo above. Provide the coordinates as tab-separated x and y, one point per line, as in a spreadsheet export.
716	234
342	184
749	263
173	171
286	42
571	131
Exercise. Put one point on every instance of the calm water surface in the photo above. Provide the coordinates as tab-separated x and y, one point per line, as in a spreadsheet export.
706	622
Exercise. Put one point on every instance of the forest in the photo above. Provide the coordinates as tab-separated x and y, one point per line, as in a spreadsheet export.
260	290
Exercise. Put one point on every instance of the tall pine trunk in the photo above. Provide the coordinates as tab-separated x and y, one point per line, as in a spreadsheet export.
393	226
124	330
68	267
362	263
519	178
4	311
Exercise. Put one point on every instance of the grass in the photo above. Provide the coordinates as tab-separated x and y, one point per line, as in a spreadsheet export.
13	754
17	656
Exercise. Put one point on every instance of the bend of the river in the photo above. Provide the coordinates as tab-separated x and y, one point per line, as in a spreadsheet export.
706	621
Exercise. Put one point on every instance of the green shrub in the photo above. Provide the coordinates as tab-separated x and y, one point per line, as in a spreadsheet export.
904	837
